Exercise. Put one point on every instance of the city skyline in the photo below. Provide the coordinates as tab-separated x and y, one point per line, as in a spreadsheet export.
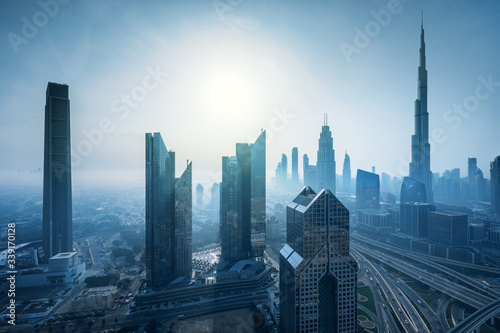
333	89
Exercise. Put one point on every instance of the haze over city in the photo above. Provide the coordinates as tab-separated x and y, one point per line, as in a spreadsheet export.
227	72
249	166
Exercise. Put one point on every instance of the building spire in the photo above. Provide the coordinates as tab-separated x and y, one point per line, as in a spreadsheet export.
422	43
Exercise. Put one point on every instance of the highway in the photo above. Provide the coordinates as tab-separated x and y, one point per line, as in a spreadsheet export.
424	260
477	318
455	290
399	304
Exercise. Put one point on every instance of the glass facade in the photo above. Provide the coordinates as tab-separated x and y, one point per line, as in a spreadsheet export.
243	201
318	282
495	185
168	217
325	165
367	190
412	191
415	218
57	231
448	228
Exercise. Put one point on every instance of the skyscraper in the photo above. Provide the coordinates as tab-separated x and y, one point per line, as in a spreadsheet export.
168	215
346	174
57	233
325	165
495	185
420	166
199	195
243	201
284	170
471	178
215	196
367	190
318	281
295	165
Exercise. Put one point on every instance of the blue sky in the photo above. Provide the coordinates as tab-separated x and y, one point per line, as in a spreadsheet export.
222	70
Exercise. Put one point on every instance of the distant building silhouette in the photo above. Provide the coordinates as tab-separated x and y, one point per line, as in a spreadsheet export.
295	165
412	190
346	174
420	166
310	177
199	195
495	185
168	215
471	178
367	190
318	280
57	231
325	165
243	201
215	196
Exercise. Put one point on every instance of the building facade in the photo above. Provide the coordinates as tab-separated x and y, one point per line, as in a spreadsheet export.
295	165
243	201
325	165
199	195
415	218
420	166
448	228
367	190
168	215
346	174
495	185
318	282
57	231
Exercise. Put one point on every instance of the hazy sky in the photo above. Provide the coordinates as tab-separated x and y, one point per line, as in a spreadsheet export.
208	74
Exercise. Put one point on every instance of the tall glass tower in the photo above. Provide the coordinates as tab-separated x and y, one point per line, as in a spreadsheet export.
325	165
57	233
318	281
295	165
168	215
243	201
346	174
420	166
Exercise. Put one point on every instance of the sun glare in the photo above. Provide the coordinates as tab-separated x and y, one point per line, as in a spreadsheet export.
228	91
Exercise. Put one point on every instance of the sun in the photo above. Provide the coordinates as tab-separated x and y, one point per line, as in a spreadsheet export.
229	90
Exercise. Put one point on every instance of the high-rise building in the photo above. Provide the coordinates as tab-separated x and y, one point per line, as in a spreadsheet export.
420	166
414	218
412	190
495	185
295	165
168	215
325	165
57	231
199	195
346	174
309	173
318	281
367	190
471	178
284	170
215	196
448	228
243	201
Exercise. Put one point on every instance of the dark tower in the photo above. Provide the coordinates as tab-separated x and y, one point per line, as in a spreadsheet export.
57	205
